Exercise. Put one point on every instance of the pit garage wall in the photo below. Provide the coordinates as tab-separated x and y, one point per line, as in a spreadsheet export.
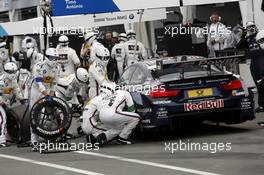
251	11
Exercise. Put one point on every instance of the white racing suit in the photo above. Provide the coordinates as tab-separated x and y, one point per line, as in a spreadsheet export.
119	53
68	61
91	123
3	59
135	51
97	75
35	59
8	90
113	116
116	122
24	82
44	78
67	89
216	38
93	47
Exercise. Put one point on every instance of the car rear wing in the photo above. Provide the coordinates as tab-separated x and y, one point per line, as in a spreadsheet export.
179	60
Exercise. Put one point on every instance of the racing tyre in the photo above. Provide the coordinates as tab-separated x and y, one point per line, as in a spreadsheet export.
50	117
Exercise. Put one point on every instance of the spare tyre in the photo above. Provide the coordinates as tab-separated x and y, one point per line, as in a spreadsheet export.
50	117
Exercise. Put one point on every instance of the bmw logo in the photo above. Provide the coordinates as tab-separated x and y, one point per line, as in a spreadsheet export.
131	16
44	71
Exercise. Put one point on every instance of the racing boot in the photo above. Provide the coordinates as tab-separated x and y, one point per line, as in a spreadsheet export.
101	139
122	141
91	139
3	145
261	124
260	109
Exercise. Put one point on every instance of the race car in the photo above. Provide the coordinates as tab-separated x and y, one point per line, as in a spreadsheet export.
169	91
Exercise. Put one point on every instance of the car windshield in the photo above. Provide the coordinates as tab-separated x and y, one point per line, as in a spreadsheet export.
181	71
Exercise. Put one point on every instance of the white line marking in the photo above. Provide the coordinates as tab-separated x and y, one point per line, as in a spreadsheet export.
175	168
61	167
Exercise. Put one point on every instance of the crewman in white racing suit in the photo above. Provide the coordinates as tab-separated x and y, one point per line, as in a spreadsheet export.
69	60
35	57
217	35
23	78
92	44
97	70
8	90
135	50
3	56
119	53
29	42
91	124
68	88
44	82
118	123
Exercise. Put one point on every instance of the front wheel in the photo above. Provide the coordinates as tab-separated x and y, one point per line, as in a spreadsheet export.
50	117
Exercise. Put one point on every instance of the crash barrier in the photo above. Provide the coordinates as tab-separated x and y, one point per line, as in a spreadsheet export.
50	117
233	66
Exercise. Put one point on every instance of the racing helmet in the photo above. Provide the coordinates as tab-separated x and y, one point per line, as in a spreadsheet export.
122	37
90	37
131	34
102	54
260	39
11	69
30	45
2	44
82	75
251	28
52	57
108	88
63	41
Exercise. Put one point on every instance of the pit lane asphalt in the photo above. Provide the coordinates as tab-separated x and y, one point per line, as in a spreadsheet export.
246	156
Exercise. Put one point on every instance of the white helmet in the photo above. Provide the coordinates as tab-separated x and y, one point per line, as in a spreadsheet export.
90	37
63	41
122	37
82	75
52	57
108	88
11	69
260	39
30	45
2	44
251	28
131	34
102	53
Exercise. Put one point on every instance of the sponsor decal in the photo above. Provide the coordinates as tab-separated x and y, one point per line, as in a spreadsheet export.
204	105
162	102
144	110
147	121
246	104
162	114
